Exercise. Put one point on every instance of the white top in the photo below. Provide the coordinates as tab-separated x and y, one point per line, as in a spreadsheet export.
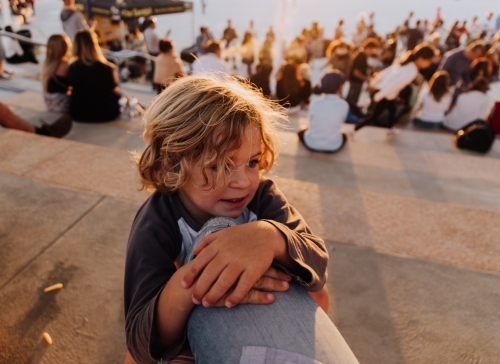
326	117
152	40
470	106
431	110
392	80
209	63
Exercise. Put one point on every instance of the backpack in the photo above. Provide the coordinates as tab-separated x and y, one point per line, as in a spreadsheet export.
477	136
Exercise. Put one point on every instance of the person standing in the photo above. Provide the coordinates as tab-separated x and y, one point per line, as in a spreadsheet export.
415	36
247	52
72	20
339	30
359	69
229	34
252	30
152	41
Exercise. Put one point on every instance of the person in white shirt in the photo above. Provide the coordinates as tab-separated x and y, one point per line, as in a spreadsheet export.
489	26
211	62
326	117
151	38
434	101
152	41
470	106
388	84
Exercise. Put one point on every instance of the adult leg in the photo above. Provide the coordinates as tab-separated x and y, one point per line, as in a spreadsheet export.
380	107
292	328
10	120
354	92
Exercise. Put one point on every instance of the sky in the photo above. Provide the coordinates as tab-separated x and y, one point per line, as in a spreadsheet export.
290	16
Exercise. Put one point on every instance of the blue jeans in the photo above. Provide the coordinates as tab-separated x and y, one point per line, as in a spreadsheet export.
293	329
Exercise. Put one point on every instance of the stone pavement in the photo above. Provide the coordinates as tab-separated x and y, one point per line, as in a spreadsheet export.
411	227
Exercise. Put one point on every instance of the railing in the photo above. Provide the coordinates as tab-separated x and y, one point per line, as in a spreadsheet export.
120	55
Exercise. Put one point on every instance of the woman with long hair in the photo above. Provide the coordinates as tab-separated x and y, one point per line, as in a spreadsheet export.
481	68
54	75
434	101
470	106
288	87
389	83
95	94
247	52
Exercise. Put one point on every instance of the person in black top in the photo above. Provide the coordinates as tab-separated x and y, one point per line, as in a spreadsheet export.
94	80
262	77
288	85
359	69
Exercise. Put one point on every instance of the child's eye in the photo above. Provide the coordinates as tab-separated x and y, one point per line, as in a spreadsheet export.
253	163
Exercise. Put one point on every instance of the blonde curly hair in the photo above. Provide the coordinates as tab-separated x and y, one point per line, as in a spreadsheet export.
201	119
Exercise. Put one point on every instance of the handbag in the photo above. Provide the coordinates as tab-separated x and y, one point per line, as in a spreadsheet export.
477	136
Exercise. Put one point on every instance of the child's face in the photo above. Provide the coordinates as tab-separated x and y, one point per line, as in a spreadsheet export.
231	199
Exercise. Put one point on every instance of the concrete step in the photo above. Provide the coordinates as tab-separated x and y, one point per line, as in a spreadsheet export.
404	274
423	229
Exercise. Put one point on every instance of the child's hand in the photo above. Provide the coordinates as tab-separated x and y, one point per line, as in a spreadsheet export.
238	257
273	280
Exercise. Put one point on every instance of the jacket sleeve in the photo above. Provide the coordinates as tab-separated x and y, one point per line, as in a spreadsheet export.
305	248
149	265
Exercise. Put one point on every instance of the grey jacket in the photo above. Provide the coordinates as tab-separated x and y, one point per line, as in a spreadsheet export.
72	22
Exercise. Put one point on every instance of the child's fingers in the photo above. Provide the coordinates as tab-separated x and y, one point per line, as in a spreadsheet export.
277	274
205	281
197	266
256	297
244	285
271	284
223	286
206	241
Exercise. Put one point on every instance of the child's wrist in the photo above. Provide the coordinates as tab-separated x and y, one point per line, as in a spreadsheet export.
277	238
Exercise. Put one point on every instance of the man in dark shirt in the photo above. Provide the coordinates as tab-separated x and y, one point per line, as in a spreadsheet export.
457	62
415	36
229	34
359	69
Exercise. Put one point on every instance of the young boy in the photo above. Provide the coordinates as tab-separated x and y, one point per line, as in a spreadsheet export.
208	143
326	116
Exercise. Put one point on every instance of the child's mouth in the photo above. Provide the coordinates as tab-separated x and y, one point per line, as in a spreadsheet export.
234	201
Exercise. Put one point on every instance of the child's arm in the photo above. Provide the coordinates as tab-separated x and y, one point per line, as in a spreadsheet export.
241	254
175	302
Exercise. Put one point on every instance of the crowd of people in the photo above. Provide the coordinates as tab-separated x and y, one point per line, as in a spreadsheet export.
421	69
437	77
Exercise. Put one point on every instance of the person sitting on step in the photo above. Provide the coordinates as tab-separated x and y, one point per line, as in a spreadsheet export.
326	116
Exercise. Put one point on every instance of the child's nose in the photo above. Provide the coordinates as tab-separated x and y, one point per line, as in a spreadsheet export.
239	178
